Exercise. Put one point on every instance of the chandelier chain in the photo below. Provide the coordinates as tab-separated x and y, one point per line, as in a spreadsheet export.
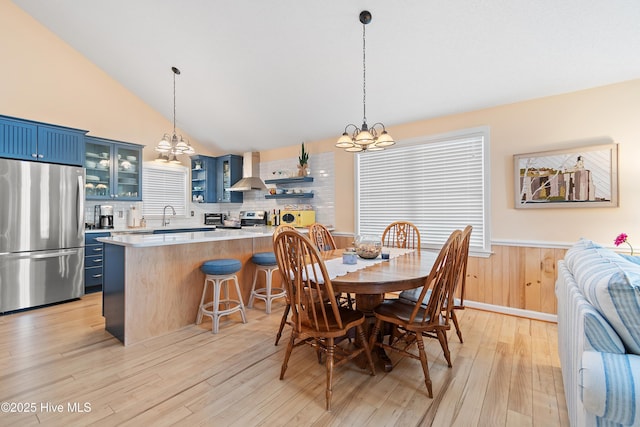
172	145
364	75
365	138
174	102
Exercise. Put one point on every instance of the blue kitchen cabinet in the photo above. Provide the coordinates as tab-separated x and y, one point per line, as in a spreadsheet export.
203	179
228	172
93	262
28	140
114	169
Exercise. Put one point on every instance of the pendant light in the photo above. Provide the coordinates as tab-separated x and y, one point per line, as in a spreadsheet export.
365	138
170	146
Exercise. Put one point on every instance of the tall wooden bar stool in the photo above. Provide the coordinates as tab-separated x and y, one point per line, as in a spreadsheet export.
265	262
219	272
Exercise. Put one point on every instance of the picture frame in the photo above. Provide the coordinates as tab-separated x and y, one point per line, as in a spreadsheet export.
584	177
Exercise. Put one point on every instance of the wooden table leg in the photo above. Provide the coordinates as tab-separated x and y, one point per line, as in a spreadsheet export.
366	303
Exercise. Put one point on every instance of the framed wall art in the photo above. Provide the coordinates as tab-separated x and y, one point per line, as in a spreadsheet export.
577	177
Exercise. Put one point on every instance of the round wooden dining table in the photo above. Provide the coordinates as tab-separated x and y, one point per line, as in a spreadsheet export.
370	284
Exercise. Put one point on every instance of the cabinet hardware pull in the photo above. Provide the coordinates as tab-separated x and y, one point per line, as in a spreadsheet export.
95	276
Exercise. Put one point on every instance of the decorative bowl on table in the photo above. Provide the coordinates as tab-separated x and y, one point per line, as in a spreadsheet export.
368	247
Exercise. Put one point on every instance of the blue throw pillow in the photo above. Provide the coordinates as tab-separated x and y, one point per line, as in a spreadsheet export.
633	259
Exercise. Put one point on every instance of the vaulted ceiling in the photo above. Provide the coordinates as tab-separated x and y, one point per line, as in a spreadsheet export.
259	74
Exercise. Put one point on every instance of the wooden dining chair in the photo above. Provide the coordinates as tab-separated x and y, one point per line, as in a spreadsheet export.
324	241
461	279
317	319
321	236
285	314
412	295
401	234
411	320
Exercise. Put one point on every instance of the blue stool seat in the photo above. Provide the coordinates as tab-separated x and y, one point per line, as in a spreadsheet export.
264	258
221	266
219	272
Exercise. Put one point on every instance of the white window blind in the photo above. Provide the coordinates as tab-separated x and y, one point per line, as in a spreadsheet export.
164	185
438	183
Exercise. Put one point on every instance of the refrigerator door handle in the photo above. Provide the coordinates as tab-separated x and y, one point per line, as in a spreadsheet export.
80	205
52	254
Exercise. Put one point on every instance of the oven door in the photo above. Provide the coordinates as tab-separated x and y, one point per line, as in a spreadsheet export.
290	218
212	219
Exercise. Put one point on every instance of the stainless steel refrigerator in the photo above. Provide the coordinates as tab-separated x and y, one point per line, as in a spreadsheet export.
41	233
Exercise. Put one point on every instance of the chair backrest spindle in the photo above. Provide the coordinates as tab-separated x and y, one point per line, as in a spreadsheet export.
401	234
320	235
440	281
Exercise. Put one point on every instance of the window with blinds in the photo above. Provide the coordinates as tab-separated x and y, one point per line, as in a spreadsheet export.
164	185
439	183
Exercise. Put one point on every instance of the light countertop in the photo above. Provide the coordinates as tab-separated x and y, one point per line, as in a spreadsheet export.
145	229
147	240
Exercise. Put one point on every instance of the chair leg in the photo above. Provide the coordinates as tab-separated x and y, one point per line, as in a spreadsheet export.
367	348
330	354
215	319
287	355
252	297
282	323
242	310
267	281
442	337
204	294
425	365
455	323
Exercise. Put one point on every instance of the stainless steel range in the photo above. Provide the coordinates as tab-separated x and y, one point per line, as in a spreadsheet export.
251	218
247	219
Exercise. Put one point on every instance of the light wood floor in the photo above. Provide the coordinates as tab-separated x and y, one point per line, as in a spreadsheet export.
507	373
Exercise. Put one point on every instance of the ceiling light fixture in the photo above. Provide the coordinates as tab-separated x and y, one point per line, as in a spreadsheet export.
365	138
170	146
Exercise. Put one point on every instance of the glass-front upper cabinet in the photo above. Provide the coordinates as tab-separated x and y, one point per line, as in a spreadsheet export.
113	169
229	171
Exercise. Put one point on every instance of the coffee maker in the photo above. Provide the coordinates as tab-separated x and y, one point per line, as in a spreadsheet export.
106	216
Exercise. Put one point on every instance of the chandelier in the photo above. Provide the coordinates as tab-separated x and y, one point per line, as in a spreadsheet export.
365	138
170	146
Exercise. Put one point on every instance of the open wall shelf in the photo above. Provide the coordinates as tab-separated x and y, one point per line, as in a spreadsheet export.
294	180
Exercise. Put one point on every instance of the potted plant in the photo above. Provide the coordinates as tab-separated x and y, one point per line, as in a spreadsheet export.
303	162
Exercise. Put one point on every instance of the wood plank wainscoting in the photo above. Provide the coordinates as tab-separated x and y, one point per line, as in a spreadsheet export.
516	277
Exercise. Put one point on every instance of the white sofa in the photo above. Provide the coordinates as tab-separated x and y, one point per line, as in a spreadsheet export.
598	294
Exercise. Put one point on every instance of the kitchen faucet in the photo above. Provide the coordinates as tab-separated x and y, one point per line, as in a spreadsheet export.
164	215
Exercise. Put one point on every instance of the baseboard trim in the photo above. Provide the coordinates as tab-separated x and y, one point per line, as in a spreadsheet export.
530	314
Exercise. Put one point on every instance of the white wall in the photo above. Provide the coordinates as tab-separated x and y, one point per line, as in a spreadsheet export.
44	79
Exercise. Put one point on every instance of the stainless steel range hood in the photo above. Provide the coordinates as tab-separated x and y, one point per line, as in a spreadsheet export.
250	174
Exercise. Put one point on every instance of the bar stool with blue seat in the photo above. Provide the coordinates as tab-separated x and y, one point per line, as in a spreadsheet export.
219	272
265	262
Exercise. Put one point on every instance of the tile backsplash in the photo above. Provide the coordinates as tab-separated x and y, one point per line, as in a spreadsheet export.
321	166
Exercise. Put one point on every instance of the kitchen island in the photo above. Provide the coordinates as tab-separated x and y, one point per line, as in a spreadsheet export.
153	283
